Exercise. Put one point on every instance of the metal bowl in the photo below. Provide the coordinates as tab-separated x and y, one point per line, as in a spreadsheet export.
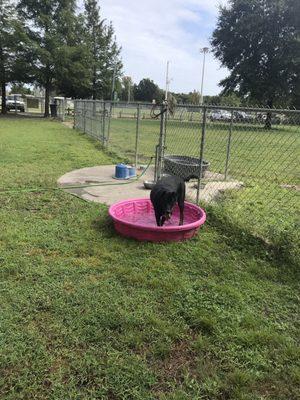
184	166
149	184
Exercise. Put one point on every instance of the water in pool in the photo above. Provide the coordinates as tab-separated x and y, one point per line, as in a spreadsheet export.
148	219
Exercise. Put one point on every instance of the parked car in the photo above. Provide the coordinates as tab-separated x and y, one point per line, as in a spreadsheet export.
220	115
242	116
276	119
14	102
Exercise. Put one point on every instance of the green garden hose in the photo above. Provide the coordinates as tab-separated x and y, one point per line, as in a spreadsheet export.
104	183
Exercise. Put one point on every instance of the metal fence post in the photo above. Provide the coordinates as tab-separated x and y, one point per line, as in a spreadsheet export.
137	134
201	153
161	142
228	146
109	122
84	115
156	162
103	124
74	115
92	118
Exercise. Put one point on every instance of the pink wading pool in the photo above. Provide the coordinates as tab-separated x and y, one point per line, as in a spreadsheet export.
135	218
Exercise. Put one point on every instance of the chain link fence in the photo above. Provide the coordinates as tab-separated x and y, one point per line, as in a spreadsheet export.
231	157
125	129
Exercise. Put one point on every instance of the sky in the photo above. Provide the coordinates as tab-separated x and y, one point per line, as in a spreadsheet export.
151	32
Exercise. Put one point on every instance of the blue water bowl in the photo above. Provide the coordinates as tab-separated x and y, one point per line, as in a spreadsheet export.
121	171
131	171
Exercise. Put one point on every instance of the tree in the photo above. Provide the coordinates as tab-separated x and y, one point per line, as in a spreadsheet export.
147	90
181	98
72	64
194	98
256	41
20	89
13	48
231	100
212	100
51	27
127	86
104	53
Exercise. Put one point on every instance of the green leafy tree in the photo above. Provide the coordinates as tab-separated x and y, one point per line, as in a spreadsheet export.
212	100
72	65
20	89
257	41
231	100
13	49
181	98
104	54
194	97
147	90
126	88
51	27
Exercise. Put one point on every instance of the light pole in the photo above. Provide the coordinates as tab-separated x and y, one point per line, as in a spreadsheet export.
114	83
203	50
167	81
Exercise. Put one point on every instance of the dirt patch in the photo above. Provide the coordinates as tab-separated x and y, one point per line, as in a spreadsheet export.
68	124
291	187
182	359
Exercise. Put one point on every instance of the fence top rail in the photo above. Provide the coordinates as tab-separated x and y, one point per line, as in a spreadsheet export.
118	103
231	108
195	106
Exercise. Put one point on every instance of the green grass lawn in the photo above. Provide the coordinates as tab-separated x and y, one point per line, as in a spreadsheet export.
86	314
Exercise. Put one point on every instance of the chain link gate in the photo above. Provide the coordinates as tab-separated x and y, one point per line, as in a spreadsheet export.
92	117
181	147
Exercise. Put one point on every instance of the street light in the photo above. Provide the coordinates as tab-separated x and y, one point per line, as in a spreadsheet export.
203	50
168	81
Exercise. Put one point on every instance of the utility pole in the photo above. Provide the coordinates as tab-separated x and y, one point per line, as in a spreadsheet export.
114	83
203	50
167	81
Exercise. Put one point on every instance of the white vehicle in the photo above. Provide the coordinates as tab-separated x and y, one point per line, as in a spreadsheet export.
241	116
220	115
15	102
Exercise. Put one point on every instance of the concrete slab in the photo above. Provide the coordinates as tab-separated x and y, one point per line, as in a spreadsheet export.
112	190
212	190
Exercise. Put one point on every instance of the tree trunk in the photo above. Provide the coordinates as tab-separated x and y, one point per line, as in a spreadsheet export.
268	123
47	99
3	102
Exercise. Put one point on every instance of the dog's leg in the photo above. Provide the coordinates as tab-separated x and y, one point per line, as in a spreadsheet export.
181	209
181	199
158	218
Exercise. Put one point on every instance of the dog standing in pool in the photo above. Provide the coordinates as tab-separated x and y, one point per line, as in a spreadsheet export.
168	191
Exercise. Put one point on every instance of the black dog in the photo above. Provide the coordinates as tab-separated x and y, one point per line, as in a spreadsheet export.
165	194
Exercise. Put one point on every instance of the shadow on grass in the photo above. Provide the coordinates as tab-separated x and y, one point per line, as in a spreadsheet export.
280	251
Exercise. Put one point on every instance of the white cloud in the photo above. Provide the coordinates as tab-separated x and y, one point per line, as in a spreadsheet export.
152	32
